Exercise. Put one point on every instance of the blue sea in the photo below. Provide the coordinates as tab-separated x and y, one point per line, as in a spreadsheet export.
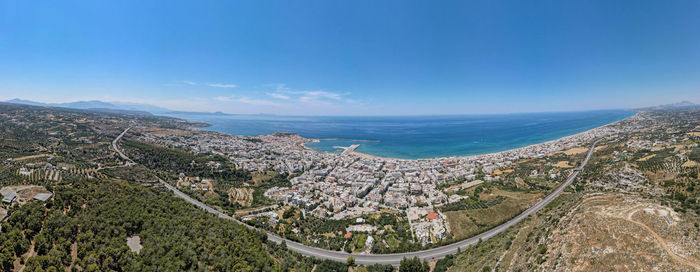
416	137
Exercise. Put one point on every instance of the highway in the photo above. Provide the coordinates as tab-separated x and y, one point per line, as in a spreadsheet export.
393	259
116	148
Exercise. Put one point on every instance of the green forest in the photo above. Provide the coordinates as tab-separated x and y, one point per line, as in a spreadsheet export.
88	222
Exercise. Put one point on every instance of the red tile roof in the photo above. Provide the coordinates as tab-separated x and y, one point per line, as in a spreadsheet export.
432	216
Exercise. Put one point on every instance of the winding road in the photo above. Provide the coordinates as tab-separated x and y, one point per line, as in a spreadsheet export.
116	148
393	259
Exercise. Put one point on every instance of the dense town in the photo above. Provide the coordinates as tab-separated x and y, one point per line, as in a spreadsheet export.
346	185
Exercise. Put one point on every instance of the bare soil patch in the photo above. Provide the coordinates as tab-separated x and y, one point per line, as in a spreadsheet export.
623	233
134	243
647	157
563	164
690	163
575	150
30	157
242	196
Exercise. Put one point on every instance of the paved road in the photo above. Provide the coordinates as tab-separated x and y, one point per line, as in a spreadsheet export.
116	148
394	259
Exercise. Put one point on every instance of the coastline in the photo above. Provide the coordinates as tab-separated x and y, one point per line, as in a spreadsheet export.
456	157
347	140
303	145
475	156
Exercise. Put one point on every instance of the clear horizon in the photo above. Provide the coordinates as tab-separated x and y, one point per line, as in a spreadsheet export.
171	112
353	59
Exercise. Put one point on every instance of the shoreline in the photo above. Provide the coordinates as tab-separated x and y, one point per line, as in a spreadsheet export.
346	140
455	157
370	156
303	145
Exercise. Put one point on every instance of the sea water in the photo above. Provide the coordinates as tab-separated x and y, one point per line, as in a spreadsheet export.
416	137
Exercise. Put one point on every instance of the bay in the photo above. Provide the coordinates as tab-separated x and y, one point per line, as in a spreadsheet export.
417	137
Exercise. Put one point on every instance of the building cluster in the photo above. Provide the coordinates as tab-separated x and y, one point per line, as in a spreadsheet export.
24	194
272	217
194	183
427	224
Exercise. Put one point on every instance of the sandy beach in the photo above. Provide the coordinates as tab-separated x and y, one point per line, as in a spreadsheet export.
369	156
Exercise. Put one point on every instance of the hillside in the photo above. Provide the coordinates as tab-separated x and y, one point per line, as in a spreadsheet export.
635	208
96	201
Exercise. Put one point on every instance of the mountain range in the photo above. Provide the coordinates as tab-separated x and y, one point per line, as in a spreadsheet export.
151	109
97	105
678	105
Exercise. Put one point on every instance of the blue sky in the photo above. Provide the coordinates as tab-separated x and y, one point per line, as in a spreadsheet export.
353	57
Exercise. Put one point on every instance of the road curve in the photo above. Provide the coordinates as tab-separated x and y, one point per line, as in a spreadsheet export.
393	259
116	148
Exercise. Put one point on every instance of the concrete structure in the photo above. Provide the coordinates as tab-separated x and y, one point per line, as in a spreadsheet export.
43	196
10	197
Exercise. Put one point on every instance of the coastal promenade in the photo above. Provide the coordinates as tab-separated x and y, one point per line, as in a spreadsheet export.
393	259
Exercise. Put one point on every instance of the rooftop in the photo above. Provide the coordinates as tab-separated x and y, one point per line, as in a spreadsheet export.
9	197
43	196
431	216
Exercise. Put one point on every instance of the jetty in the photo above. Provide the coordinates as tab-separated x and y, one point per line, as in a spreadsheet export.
348	149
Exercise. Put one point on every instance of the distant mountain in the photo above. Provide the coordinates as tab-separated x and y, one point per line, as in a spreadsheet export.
104	110
83	105
26	102
141	107
218	113
679	105
98	105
